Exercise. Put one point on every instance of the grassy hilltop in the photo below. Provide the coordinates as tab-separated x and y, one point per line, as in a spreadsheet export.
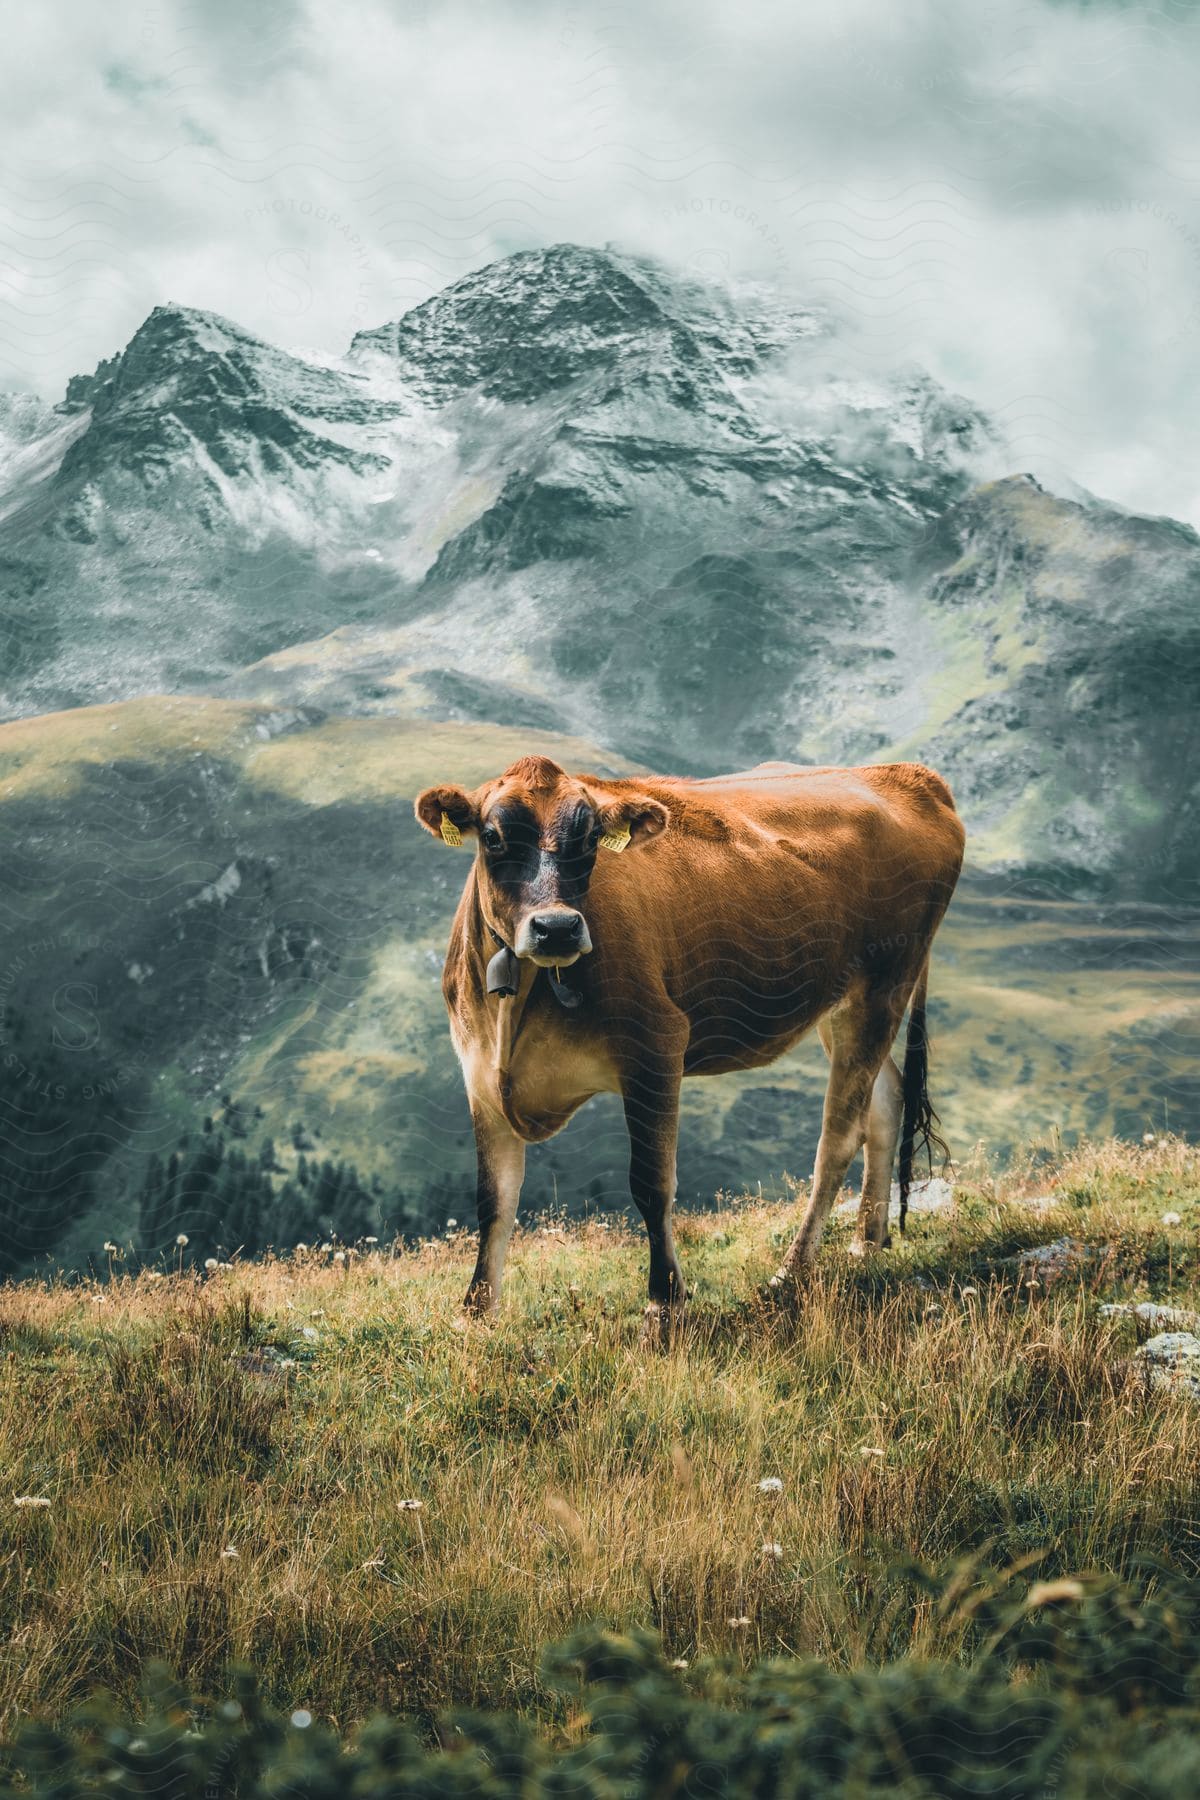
233	1463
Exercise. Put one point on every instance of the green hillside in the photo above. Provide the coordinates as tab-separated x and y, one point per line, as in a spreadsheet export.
209	900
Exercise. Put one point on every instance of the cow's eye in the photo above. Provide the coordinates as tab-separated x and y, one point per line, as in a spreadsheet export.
593	837
491	838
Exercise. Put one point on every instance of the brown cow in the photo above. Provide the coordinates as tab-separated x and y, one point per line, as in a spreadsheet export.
749	908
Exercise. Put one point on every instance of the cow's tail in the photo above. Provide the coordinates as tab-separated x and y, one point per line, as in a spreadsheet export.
919	1120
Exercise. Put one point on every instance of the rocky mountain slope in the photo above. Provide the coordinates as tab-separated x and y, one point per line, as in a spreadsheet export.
1064	706
191	500
577	492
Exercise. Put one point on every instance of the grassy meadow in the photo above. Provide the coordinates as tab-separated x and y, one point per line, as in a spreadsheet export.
311	1465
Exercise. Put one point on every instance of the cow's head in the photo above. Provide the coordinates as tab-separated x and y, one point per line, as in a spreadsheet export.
539	831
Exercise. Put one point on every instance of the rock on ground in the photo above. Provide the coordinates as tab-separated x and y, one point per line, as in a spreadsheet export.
933	1195
1171	1361
1152	1314
1063	1256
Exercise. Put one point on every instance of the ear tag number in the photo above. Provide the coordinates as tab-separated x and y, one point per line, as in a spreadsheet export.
450	833
615	840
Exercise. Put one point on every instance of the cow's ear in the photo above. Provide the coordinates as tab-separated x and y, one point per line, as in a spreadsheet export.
447	812
630	820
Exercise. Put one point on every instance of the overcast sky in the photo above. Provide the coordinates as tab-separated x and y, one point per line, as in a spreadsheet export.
1007	191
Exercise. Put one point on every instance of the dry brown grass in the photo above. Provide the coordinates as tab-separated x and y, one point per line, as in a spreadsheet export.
563	1473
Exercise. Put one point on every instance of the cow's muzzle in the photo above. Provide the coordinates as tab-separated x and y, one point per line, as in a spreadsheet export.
553	938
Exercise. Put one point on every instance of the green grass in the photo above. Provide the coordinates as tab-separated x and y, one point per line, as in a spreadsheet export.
227	1459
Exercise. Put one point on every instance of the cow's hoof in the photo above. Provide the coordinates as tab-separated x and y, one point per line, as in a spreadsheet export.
661	1325
480	1303
867	1246
783	1292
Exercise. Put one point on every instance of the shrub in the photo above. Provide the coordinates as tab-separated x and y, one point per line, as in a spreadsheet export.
1074	1689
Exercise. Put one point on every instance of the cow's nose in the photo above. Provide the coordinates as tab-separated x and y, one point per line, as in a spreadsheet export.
556	930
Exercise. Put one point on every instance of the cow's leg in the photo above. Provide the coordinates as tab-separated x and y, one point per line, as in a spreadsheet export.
884	1111
858	1035
883	1131
501	1159
651	1100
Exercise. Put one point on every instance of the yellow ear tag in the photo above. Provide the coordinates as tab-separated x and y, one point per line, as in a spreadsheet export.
450	833
615	840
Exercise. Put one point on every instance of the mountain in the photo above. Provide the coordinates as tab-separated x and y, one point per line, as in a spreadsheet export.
185	514
252	601
577	492
1069	651
690	524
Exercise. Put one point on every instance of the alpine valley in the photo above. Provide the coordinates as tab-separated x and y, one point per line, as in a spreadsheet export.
251	601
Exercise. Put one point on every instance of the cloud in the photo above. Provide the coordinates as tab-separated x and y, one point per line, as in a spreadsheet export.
1007	194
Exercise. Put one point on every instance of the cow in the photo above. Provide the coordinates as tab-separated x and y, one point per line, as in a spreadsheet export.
617	935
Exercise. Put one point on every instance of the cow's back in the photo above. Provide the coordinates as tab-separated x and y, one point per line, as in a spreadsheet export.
886	814
770	883
800	794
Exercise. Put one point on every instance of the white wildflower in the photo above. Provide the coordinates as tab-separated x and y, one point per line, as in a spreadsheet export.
97	1300
375	1562
450	1224
30	1500
339	1256
370	1240
770	1484
410	1505
229	1553
310	1334
300	1248
211	1264
1172	1218
680	1662
1148	1137
739	1624
969	1293
182	1239
110	1247
325	1249
870	1450
301	1719
774	1551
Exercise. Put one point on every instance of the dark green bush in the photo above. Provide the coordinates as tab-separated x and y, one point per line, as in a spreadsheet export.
1074	1689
